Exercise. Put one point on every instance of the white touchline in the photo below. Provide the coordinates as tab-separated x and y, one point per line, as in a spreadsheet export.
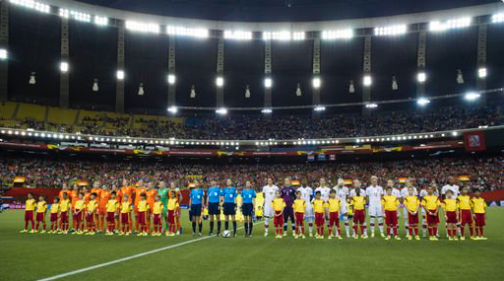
128	258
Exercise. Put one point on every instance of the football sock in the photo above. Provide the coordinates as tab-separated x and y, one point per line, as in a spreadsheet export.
380	224
218	226
246	227
194	227
395	231
211	226
471	230
226	225
251	227
234	227
200	227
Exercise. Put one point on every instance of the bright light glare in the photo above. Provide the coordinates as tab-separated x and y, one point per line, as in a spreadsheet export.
319	108
222	111
268	82
142	27
277	35
172	79
100	20
185	31
423	101
120	75
421	77
267	111
316	82
482	72
392	30
367	80
498	18
237	35
3	54
173	109
472	96
64	66
37	6
449	24
371	105
219	81
337	34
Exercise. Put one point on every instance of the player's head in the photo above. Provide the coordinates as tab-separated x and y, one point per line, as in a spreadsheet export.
172	193
332	193
143	196
410	181
430	189
411	191
196	184
341	182
298	194
322	182
41	198
64	186
93	195
477	192
229	182
318	194
287	181
65	195
140	183
173	184
248	184
451	180
389	190
84	189
30	196
56	199
162	184
278	194
125	182
104	187
357	191
357	183
270	181
113	195
81	195
374	180
96	184
158	198
151	185
75	187
213	183
390	183
449	193
465	190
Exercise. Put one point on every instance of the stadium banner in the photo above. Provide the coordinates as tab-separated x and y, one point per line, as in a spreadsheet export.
474	141
321	157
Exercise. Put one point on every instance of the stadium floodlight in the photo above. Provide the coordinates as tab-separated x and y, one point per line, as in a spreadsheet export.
221	111
421	77
3	54
219	81
32	80
423	101
298	90
95	87
316	82
298	36
343	34
395	86
351	87
238	35
472	96
454	133
267	111
34	5
142	27
64	13
460	77
79	16
101	21
371	105
172	79
438	26
120	75
367	80
247	92
64	67
497	18
277	35
173	109
392	30
482	72
186	31
268	82
141	91
319	108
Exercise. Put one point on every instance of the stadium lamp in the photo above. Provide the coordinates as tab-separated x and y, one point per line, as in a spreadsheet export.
221	111
367	80
120	75
219	81
3	54
392	30
316	82
371	105
101	21
421	77
95	85
268	82
173	109
267	111
438	26
351	87
395	86
460	77
64	67
498	17
247	92
172	79
319	108
32	80
423	101
482	72
193	92
298	90
141	91
472	96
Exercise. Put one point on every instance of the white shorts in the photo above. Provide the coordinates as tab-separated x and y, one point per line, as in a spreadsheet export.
405	212
375	211
268	211
308	213
343	209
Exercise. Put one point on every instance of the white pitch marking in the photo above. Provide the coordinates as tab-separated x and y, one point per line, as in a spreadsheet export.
127	258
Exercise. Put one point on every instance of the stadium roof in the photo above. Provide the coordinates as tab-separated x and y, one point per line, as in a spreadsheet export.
283	10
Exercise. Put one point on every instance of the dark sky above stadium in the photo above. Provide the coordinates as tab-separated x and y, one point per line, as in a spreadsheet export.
283	10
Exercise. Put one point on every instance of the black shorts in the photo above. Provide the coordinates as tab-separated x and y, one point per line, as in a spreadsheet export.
288	213
213	209
195	210
247	209
229	209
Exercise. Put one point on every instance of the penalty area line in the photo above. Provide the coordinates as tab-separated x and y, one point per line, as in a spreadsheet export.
63	275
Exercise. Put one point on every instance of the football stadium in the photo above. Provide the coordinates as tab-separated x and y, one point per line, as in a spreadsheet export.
251	140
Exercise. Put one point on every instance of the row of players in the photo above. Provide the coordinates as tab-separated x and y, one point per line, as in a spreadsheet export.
151	209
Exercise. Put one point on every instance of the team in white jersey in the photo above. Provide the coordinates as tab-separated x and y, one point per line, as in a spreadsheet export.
269	191
307	195
374	194
324	189
342	193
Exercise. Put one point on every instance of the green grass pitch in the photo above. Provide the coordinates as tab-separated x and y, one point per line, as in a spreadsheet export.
38	256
